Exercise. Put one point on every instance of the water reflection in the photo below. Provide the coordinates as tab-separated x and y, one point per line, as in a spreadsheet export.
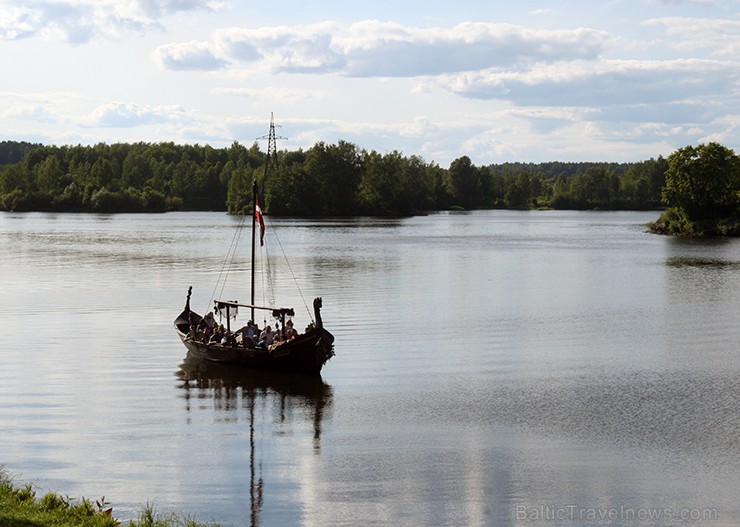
701	272
708	263
237	392
235	389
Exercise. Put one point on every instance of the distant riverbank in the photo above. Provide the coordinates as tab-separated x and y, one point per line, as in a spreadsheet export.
326	180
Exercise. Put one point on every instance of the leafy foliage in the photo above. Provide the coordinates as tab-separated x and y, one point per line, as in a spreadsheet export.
325	180
703	181
703	191
13	151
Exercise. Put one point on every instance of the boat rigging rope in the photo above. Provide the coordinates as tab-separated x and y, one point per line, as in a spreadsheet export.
292	274
265	268
228	261
231	256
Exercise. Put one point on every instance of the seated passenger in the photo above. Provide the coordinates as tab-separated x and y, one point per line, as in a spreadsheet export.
290	331
266	337
201	330
228	339
219	332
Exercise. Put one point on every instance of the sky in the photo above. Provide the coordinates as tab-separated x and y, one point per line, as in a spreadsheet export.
527	81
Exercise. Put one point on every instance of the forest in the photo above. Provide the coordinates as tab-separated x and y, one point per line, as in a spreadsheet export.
325	180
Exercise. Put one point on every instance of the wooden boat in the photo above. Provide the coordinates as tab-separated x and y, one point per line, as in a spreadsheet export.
303	354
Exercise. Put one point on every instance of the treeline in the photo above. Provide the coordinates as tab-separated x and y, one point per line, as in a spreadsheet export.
14	151
324	180
139	177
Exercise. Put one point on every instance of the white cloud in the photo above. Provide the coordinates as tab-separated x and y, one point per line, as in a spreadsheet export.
420	127
18	22
383	49
720	36
122	115
29	112
155	9
283	95
280	49
188	56
599	83
72	22
702	3
43	108
80	21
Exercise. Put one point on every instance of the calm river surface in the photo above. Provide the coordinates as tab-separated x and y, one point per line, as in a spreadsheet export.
492	368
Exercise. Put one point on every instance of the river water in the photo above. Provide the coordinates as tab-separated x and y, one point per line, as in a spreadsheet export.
492	368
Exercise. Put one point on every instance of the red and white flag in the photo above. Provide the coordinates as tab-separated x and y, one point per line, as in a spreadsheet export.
258	217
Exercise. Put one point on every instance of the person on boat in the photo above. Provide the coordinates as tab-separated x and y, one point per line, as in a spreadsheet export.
229	338
219	332
266	337
201	331
205	328
247	335
290	331
250	332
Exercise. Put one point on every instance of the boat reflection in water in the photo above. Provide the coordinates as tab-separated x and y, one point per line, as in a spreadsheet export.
238	390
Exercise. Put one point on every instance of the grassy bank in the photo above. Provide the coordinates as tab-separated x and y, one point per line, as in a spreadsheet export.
21	507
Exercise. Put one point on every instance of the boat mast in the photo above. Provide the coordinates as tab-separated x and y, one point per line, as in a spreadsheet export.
270	166
254	222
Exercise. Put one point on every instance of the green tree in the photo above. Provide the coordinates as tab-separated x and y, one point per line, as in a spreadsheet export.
14	177
597	187
381	189
48	175
336	170
153	200
291	191
136	170
101	175
419	184
71	199
702	189
703	182
492	187
517	194
12	152
464	183
239	193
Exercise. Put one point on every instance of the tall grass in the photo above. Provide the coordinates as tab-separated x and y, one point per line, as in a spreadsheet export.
19	506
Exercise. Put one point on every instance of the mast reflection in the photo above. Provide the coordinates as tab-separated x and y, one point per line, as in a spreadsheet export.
238	390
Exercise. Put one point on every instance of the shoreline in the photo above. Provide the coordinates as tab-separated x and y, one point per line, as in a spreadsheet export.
20	505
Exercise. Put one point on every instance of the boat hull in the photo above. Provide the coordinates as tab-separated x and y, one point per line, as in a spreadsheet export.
304	355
